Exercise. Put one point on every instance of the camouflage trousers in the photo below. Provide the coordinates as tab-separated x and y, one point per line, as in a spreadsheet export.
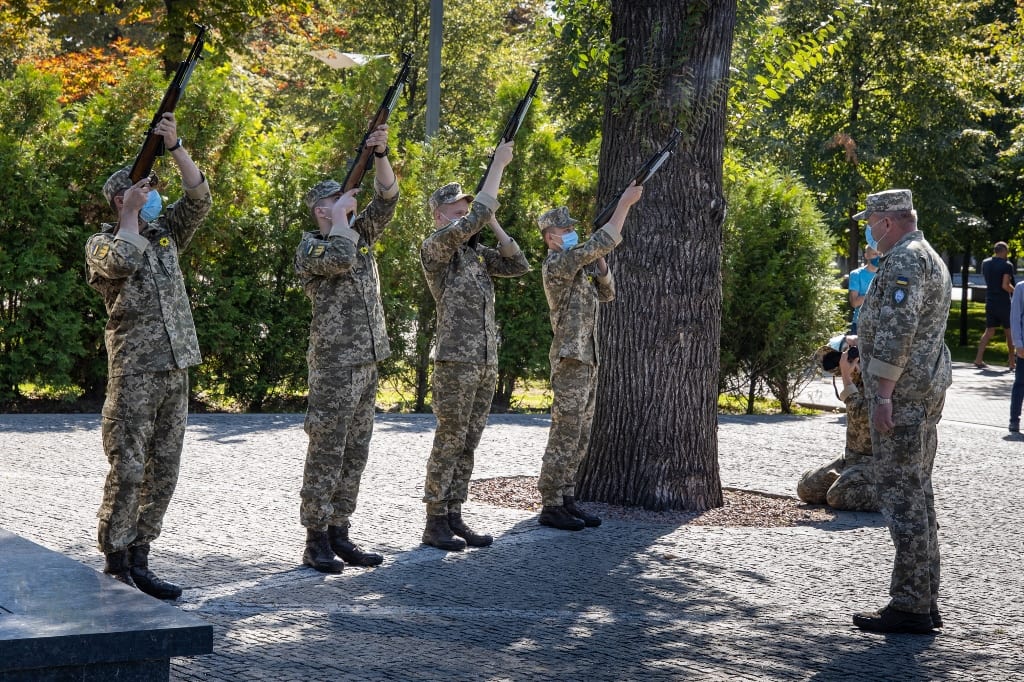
572	412
143	430
462	394
903	471
339	423
847	483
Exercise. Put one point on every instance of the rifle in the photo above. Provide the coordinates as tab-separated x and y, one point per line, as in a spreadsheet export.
364	154
645	173
512	126
153	145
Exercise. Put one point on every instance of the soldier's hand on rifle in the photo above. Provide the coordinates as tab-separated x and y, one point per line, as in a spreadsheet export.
378	139
344	207
167	128
135	196
631	195
503	154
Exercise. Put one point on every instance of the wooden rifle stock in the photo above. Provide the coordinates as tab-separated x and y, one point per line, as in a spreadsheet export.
512	126
364	153
645	173
153	145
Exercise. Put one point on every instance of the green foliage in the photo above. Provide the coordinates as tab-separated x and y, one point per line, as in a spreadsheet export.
38	332
778	304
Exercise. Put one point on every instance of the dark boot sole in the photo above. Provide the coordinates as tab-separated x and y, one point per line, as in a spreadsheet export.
550	524
447	546
333	569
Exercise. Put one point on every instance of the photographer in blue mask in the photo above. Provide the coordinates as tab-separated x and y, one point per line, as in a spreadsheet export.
860	281
151	342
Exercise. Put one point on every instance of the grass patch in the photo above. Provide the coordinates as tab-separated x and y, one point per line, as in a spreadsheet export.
737	404
996	353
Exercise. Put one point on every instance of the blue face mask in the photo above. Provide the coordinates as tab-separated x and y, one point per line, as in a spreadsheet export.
870	238
875	261
153	206
570	240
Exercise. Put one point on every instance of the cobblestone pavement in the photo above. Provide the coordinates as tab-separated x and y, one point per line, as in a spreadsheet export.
626	601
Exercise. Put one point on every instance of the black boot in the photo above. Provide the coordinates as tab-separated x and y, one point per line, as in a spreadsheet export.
319	554
460	528
557	516
589	520
894	620
145	579
117	567
439	534
348	550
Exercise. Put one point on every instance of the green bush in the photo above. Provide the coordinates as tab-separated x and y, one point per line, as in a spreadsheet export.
778	304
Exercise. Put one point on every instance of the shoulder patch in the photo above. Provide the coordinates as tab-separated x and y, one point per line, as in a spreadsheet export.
315	250
100	250
899	296
902	280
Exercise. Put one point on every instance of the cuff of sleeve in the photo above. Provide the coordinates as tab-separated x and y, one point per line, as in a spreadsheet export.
848	392
136	240
346	232
884	370
488	201
200	191
509	249
614	233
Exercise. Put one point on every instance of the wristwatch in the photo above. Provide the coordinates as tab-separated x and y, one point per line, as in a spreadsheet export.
883	401
381	155
177	145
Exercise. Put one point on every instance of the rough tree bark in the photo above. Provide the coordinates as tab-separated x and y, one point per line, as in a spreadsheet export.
655	440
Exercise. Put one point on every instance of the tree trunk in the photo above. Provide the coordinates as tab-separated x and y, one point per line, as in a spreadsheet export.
425	328
655	440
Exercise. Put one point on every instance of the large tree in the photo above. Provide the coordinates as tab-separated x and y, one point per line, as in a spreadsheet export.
655	439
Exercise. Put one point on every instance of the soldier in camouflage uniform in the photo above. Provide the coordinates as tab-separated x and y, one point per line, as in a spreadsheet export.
347	339
151	342
576	279
466	353
906	368
848	483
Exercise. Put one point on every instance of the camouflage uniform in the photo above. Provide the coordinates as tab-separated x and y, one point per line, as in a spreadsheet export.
902	325
151	341
466	345
573	289
347	339
848	483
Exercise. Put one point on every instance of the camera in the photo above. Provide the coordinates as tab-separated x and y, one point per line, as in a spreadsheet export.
829	354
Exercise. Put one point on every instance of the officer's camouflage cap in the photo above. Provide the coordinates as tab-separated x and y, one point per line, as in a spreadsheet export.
322	190
889	200
556	217
118	182
448	194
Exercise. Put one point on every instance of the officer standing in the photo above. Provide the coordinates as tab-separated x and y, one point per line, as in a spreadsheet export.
347	339
576	278
151	342
906	373
466	352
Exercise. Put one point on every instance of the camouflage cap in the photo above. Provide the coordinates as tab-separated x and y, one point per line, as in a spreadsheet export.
448	194
118	182
889	200
322	190
556	217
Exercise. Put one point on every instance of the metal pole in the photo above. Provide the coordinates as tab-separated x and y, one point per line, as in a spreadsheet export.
434	68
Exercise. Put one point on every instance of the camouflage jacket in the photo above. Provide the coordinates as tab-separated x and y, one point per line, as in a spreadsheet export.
459	278
903	322
573	289
149	326
858	429
339	275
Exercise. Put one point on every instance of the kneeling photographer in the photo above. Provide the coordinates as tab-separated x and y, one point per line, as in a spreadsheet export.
848	482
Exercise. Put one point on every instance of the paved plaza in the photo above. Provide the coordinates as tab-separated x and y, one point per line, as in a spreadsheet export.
626	601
